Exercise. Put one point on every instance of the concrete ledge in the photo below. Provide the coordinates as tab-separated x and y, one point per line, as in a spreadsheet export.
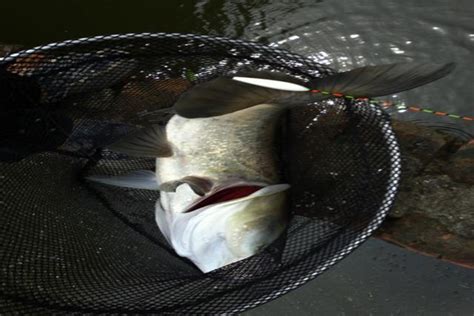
434	211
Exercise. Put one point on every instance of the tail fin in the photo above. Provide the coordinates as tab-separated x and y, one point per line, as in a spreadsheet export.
226	95
372	81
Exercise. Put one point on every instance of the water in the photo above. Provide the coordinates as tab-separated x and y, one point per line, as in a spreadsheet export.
343	34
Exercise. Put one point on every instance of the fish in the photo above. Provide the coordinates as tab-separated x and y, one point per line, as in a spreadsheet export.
223	195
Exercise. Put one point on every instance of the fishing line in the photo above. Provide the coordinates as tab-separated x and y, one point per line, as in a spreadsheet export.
397	105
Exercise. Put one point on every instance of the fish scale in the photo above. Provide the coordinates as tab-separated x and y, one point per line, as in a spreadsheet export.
247	151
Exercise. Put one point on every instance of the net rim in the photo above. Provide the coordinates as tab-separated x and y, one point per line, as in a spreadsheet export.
393	181
148	35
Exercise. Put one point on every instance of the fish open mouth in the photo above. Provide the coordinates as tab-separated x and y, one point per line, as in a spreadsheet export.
224	195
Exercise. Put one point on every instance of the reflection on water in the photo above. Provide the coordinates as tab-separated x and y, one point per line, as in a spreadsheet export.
351	34
342	34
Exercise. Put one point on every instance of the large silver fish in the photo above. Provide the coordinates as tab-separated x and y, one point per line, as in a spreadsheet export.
222	196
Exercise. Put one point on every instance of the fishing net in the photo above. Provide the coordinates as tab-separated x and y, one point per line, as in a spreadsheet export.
69	245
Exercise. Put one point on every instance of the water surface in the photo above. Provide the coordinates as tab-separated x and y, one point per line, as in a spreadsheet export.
344	34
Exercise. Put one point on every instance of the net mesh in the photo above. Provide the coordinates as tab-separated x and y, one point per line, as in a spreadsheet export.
70	246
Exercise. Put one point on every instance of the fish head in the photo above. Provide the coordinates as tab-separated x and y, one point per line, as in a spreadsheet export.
226	225
258	220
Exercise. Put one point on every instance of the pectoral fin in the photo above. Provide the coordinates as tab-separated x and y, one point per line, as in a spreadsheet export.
199	185
226	95
148	142
372	81
141	179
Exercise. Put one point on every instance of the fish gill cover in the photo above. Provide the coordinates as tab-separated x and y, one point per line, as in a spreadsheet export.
71	245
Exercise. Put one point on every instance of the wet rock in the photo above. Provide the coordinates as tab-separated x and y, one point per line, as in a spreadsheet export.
439	198
427	236
138	102
461	165
421	146
433	212
150	100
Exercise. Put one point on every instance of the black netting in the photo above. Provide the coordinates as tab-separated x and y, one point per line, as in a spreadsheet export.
71	246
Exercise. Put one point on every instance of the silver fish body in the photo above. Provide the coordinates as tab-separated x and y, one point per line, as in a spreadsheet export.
232	149
238	146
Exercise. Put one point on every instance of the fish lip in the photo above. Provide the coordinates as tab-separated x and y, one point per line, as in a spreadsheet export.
266	189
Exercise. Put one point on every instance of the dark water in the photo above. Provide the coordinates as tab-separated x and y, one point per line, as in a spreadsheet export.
343	34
